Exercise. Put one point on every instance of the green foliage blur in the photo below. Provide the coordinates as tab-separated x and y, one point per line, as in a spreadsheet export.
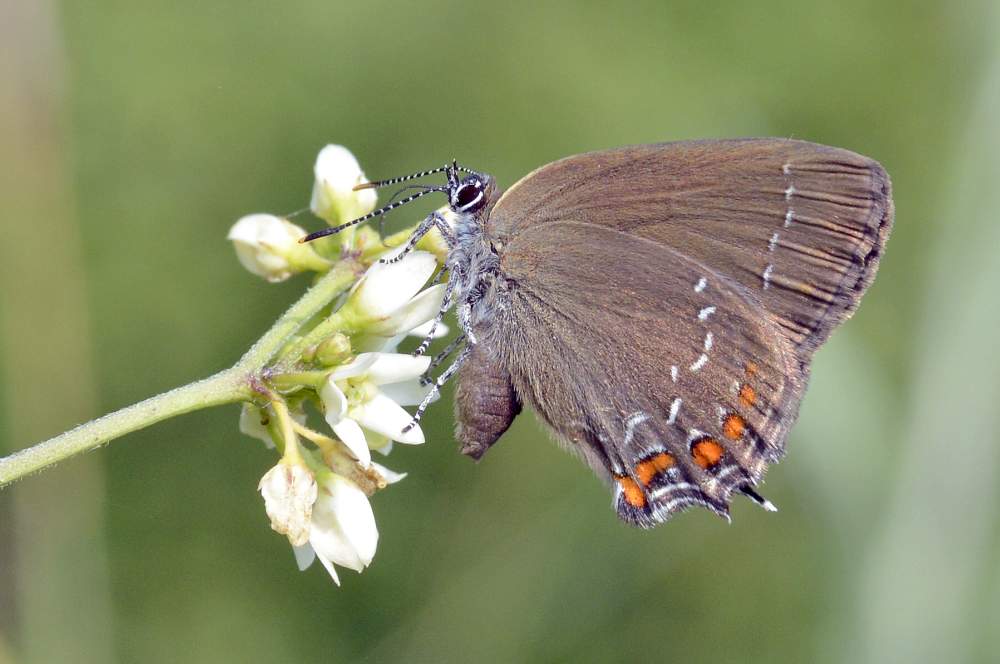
137	132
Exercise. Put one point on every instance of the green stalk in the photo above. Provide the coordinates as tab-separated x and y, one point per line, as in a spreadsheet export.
225	387
229	386
332	284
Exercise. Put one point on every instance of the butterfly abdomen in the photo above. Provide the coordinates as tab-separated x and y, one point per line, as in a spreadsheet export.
485	403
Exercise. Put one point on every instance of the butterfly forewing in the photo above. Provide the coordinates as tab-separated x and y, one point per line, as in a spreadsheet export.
664	377
800	226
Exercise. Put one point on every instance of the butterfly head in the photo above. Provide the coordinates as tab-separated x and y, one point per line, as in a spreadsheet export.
470	194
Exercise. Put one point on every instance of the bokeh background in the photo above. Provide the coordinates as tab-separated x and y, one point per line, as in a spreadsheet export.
135	133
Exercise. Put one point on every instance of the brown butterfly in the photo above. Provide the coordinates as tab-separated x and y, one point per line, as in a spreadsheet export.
658	305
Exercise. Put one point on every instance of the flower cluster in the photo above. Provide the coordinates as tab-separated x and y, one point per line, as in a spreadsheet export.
343	365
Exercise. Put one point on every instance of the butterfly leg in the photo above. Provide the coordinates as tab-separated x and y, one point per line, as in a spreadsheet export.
436	388
441	357
465	320
433	220
439	277
446	303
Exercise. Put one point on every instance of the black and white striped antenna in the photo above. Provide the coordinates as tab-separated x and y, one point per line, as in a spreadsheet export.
371	215
451	169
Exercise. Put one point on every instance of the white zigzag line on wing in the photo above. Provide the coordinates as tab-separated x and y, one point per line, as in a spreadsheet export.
662	491
682	500
728	470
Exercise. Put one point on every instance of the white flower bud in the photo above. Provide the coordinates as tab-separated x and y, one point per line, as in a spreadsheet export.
269	247
333	198
289	492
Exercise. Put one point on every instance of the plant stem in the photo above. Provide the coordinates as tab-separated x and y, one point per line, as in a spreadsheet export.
292	379
332	284
224	387
230	386
334	323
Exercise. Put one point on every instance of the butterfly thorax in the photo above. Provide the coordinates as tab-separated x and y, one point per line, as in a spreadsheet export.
474	266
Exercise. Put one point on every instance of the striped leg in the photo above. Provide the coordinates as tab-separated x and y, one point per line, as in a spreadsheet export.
449	294
433	220
436	389
440	358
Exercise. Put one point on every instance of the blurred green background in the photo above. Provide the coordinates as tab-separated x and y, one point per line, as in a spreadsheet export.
135	133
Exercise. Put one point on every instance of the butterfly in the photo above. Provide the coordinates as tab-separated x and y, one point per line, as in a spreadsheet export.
657	306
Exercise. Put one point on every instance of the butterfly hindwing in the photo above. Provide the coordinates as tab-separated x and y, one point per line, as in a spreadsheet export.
666	378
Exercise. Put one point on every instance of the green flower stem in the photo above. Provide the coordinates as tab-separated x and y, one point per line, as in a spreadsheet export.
337	458
293	379
344	320
332	284
230	386
291	452
334	323
225	387
309	260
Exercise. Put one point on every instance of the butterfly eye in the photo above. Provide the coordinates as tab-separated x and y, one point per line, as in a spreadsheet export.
468	197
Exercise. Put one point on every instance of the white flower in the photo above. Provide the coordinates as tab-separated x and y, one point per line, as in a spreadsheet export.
269	247
333	198
368	394
289	491
342	530
387	302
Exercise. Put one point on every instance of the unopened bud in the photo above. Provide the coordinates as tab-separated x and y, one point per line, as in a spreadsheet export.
333	199
334	350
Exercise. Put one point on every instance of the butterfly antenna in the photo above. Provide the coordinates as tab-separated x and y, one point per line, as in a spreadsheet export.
385	183
453	166
371	215
392	199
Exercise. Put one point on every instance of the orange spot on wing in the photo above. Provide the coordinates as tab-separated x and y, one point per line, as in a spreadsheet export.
645	471
663	461
751	369
733	427
653	466
748	395
707	452
633	494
